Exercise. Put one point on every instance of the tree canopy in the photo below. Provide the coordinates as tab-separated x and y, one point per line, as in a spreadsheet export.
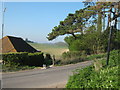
84	18
89	25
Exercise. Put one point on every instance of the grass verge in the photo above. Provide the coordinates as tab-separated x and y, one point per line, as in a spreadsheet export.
102	77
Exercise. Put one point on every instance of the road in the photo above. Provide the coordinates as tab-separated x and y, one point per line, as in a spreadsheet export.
55	77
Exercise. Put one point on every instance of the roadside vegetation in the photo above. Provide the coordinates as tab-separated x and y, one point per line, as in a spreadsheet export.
63	56
24	61
88	40
90	30
97	75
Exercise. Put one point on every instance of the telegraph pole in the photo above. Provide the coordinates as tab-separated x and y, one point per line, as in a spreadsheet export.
109	43
3	13
111	25
109	39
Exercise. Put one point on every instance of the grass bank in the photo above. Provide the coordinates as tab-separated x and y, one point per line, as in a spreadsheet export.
97	75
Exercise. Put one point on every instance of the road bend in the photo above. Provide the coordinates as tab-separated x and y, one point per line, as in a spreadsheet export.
55	77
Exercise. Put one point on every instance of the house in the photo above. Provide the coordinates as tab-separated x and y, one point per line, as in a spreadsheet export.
15	44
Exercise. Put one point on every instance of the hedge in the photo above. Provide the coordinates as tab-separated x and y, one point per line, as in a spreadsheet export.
48	59
36	59
23	58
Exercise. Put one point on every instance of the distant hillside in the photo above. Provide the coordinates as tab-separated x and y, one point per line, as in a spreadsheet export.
52	48
61	44
49	45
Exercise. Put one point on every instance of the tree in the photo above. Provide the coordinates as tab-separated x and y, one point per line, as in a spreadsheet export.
91	23
72	24
26	40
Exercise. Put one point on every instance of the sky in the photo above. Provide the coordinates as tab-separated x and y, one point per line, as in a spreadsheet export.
34	20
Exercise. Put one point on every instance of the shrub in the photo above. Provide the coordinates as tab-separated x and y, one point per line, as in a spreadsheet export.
72	54
88	78
36	59
72	57
113	61
23	58
79	79
93	42
48	59
12	59
107	77
96	56
73	61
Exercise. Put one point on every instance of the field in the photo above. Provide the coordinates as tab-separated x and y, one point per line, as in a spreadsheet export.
53	49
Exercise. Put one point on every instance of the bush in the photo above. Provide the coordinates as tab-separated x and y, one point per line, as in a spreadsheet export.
36	59
72	57
114	58
79	79
48	60
96	56
72	54
73	61
23	58
15	58
88	78
106	77
94	42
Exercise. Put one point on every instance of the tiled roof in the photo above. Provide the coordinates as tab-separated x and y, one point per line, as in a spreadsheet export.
15	44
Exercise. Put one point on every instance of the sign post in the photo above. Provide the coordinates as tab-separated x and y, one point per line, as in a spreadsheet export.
112	23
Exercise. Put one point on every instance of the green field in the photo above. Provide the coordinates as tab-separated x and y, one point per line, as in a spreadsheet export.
53	49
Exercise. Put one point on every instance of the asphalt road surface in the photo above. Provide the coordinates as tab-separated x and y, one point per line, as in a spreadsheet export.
55	77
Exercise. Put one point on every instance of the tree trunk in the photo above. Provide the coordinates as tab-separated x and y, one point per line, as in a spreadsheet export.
74	36
99	22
